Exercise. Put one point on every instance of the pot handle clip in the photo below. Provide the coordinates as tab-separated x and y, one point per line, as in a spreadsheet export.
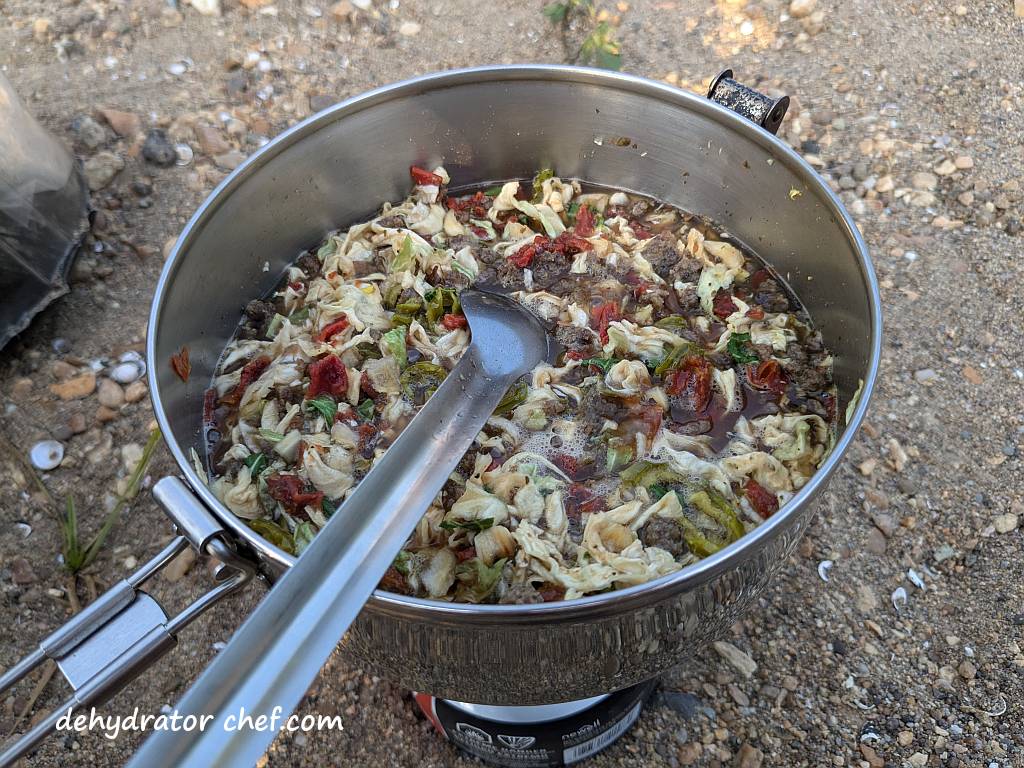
124	631
755	106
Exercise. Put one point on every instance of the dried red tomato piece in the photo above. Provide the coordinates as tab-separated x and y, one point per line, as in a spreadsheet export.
422	177
394	581
181	365
759	277
291	491
252	371
573	354
474	205
524	256
755	313
764	502
581	499
693	377
602	316
327	376
333	329
367	436
644	419
451	322
466	553
584	221
767	376
723	305
640	232
549	593
566	463
569	244
366	386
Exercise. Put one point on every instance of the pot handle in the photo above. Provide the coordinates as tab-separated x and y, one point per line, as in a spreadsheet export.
755	106
124	631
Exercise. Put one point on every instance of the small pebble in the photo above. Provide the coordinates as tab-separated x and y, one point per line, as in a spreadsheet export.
157	149
126	373
110	394
183	154
1006	522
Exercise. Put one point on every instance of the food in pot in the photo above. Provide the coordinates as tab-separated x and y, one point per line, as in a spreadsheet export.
692	398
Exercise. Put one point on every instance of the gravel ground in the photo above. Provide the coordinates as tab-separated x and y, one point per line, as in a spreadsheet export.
912	110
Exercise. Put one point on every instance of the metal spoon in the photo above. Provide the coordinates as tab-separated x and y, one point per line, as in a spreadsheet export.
276	654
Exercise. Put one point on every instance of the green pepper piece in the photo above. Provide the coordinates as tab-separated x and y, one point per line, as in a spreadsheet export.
515	396
420	380
672	323
718	509
392	295
673	358
401	319
538	184
620	453
647	473
369	351
410	306
697	542
273	533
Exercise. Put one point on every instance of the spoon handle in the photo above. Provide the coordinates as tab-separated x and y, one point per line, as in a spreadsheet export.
276	654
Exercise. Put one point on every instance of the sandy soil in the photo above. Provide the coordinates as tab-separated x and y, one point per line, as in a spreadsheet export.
912	110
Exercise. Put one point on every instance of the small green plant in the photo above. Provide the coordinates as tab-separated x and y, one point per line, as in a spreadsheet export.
77	557
599	47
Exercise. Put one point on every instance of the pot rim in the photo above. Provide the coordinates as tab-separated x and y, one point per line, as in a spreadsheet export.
639	595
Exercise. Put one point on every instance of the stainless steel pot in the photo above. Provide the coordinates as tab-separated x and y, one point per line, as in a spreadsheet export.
488	125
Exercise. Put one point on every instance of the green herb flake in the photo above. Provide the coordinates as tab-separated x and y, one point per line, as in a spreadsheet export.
538	184
737	347
328	507
402	562
256	462
325	406
468	525
604	363
657	491
366	409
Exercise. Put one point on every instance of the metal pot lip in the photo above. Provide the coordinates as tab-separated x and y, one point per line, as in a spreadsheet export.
619	600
